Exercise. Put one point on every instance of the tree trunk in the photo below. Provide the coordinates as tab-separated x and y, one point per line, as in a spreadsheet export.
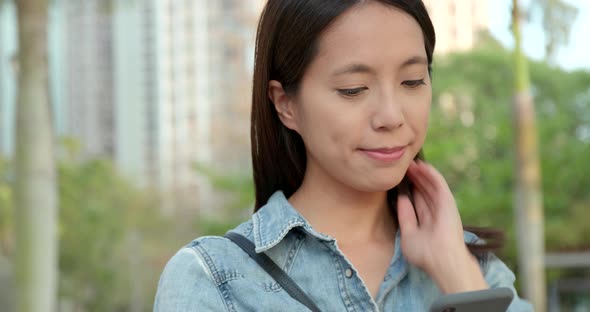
528	197
35	180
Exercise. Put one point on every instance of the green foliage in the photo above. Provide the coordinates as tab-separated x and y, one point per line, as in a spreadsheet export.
477	158
92	225
6	209
111	236
240	185
239	188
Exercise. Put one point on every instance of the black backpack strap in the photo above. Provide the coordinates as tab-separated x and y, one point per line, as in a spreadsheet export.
273	270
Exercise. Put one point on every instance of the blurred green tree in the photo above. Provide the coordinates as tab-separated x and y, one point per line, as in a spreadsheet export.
35	190
6	238
528	203
6	211
92	228
112	239
238	187
470	140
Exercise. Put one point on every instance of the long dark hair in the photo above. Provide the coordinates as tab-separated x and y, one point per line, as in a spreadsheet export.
286	43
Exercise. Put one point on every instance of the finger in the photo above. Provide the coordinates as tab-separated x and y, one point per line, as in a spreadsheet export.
406	215
422	208
421	183
431	194
436	178
443	191
436	187
427	178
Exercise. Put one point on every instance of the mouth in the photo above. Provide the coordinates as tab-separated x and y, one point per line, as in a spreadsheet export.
385	154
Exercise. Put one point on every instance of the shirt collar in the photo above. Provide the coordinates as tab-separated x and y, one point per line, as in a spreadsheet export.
273	221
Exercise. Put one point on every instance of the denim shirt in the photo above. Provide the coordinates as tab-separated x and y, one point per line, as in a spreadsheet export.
213	274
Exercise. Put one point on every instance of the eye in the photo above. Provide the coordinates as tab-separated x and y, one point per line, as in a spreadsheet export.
352	92
413	83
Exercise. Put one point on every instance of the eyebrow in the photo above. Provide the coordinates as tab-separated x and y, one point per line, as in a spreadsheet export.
355	68
358	68
420	60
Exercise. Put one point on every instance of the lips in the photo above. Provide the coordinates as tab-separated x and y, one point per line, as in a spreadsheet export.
386	150
385	154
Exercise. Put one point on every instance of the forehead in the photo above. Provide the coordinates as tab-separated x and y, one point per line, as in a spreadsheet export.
373	33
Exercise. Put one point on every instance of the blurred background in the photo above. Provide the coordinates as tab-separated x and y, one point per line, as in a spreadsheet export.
149	109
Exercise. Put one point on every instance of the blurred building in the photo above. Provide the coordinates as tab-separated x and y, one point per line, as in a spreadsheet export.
232	25
202	53
112	85
8	49
155	85
57	67
457	23
89	85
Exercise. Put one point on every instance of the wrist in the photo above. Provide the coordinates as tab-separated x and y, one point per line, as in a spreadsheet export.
461	273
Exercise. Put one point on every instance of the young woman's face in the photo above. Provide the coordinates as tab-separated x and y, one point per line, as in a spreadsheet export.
362	106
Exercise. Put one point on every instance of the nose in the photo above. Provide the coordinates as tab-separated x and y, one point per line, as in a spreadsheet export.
389	113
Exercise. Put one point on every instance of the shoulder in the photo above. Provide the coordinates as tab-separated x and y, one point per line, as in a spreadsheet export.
495	270
187	281
197	272
211	253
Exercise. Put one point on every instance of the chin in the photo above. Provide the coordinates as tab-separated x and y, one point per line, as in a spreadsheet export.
380	184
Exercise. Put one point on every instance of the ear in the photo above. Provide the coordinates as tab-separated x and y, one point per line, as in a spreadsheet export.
283	103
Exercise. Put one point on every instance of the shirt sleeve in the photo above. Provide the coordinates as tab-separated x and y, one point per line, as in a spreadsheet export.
497	275
186	284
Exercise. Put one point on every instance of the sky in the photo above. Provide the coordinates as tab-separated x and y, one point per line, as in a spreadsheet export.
574	56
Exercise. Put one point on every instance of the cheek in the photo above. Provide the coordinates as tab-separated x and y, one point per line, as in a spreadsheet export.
323	129
328	127
417	113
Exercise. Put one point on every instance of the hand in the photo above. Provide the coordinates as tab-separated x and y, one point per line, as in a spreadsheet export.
432	233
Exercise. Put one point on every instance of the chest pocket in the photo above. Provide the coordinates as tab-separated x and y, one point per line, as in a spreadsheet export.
280	276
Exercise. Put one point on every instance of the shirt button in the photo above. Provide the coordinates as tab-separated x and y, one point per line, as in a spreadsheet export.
348	273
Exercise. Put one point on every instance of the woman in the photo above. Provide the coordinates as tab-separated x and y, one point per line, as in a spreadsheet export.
341	98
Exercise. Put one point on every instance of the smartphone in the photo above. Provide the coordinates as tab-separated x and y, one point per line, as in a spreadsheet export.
488	300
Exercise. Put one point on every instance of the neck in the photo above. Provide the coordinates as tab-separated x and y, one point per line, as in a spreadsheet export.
348	215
